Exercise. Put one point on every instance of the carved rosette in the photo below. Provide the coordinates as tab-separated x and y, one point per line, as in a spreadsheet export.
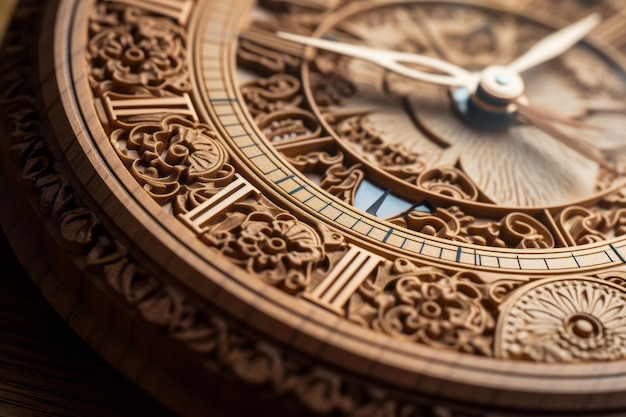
429	306
173	157
133	53
273	245
566	320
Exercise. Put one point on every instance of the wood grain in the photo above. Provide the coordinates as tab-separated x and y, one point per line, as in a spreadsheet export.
46	370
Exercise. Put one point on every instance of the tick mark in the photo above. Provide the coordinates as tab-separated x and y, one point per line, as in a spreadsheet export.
608	255
619	255
280	181
323	208
292	192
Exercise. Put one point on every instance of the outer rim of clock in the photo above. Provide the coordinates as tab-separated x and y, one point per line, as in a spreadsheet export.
528	377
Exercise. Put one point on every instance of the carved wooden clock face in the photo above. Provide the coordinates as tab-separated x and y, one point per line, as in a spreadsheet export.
428	196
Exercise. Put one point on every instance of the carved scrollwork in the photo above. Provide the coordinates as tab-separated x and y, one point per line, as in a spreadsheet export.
450	182
276	105
582	225
392	157
334	176
267	95
132	53
515	230
565	320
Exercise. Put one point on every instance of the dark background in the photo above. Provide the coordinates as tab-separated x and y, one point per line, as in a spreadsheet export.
45	368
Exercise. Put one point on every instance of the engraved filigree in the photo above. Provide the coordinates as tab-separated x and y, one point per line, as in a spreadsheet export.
133	53
428	306
566	320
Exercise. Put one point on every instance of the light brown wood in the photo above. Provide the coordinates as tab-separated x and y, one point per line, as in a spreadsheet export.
318	233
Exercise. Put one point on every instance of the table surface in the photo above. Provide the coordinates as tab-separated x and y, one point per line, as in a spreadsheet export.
46	370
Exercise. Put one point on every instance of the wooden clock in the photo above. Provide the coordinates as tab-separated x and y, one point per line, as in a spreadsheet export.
329	207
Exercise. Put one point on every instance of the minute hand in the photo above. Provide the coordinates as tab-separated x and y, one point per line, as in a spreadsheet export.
450	75
555	44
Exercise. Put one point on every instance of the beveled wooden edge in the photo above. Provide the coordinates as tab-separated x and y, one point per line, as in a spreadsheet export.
120	305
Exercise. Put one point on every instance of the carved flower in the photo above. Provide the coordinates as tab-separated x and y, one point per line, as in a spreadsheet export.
279	248
140	52
271	242
571	320
428	306
170	157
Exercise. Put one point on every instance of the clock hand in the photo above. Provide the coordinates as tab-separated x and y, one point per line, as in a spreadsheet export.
526	107
536	118
555	44
452	75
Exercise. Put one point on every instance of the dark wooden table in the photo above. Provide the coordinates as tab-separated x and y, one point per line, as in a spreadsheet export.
45	368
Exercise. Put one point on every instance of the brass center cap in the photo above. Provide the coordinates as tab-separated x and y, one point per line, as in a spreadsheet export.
501	84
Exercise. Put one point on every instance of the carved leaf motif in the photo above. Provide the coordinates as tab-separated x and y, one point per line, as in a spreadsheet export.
78	229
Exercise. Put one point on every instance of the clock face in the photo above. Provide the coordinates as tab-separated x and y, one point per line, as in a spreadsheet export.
428	195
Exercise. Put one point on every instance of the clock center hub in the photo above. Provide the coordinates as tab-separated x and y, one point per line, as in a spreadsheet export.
491	104
499	86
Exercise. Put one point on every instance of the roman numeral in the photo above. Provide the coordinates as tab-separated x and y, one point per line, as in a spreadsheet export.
344	279
126	110
199	218
178	10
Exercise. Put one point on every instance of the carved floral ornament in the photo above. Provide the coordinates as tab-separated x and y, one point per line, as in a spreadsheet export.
182	163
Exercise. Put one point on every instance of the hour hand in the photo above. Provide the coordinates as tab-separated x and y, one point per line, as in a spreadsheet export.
445	73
